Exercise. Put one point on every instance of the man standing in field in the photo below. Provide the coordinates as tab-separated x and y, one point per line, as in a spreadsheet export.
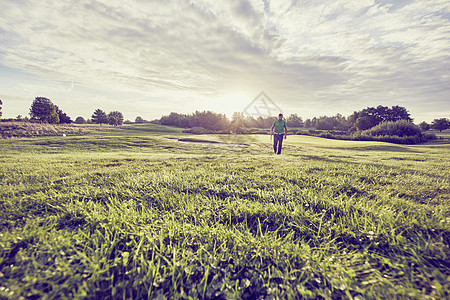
280	128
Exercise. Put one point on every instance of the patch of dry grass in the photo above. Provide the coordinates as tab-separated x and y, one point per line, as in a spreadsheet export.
23	129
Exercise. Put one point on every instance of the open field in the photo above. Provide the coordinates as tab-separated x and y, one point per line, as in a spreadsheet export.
136	213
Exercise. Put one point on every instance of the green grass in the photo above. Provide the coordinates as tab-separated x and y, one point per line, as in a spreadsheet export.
135	213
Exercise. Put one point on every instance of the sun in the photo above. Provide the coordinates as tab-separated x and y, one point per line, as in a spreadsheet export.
230	103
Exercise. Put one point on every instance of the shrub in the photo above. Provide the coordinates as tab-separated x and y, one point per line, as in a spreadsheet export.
326	135
410	140
399	128
302	132
310	131
196	130
338	132
80	120
429	136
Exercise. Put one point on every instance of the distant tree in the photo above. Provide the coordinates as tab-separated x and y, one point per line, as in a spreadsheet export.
364	123
337	122
220	122
308	123
205	119
294	121
1	103
127	122
250	122
314	122
99	117
237	122
139	120
440	124
20	118
43	110
115	118
261	122
325	123
175	119
399	113
209	120
63	117
424	126
80	120
372	116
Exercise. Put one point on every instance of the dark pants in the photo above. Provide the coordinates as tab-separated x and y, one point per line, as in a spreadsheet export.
277	142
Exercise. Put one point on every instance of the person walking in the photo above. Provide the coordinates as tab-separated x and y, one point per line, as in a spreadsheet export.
278	130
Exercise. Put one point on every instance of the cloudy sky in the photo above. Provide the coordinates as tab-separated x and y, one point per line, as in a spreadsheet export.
149	58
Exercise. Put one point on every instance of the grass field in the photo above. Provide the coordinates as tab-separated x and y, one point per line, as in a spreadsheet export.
136	213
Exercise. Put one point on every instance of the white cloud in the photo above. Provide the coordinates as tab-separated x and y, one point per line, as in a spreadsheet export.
335	53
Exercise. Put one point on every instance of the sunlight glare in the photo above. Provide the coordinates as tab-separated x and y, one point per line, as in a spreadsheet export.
230	103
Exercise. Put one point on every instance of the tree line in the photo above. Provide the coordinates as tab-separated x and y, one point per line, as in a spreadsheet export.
358	121
43	110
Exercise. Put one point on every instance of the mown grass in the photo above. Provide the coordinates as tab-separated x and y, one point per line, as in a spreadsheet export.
142	215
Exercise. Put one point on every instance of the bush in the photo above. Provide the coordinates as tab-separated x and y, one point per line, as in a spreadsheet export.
399	132
409	140
310	131
196	130
80	120
338	132
326	135
399	128
302	132
429	136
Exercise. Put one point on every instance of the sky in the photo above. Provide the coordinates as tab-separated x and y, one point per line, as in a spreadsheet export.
149	58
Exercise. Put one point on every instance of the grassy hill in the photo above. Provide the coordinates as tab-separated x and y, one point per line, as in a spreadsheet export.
137	213
26	129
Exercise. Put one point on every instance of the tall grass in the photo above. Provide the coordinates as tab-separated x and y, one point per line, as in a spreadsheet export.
27	129
146	217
